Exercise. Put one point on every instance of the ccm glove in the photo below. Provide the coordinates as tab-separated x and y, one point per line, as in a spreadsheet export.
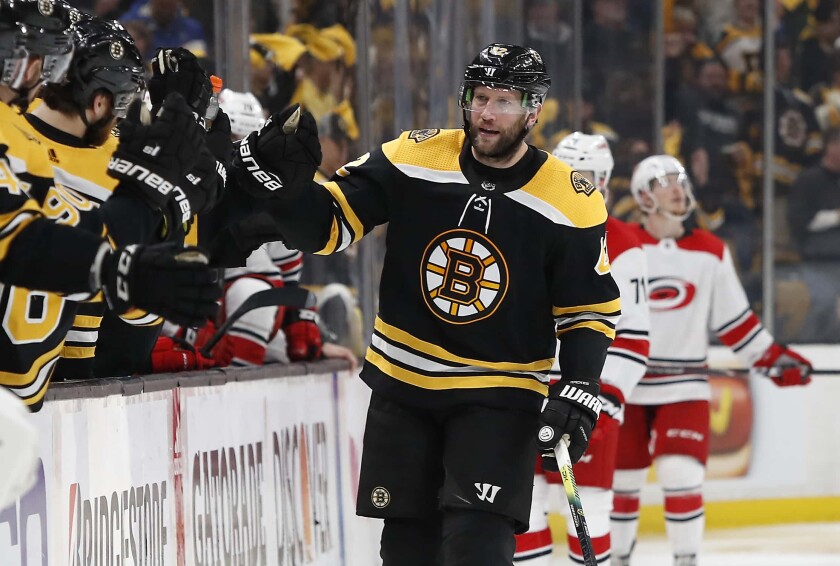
572	409
280	159
152	160
167	279
303	337
178	70
784	366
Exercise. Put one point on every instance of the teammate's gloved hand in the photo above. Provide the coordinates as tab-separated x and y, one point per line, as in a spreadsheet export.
167	279
170	355
303	337
178	70
204	185
280	159
218	138
784	366
152	160
572	408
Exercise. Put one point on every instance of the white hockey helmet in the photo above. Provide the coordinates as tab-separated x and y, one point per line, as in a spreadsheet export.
244	110
585	152
661	170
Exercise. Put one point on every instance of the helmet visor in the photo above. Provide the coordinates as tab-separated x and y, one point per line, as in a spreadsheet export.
494	99
669	179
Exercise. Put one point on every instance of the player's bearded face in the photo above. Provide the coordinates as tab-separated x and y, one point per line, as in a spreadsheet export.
496	130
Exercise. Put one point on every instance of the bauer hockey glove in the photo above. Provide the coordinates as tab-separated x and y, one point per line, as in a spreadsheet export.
303	336
178	70
153	160
572	409
166	279
205	183
281	158
784	366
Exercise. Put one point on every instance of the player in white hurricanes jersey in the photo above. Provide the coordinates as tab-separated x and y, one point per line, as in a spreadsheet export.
692	288
624	367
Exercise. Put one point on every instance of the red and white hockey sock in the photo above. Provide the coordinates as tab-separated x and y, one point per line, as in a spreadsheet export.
597	503
682	481
624	518
534	547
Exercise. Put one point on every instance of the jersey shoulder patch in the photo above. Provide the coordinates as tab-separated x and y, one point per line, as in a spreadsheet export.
567	193
426	150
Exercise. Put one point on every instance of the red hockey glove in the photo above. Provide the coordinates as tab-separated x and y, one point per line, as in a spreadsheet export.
784	366
303	337
572	409
170	356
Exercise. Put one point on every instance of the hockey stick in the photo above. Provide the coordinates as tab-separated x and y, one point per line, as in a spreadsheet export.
561	452
732	372
294	297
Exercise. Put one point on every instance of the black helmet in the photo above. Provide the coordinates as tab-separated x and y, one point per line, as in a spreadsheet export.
501	65
106	58
39	28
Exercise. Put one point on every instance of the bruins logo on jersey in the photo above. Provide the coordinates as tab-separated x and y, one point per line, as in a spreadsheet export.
423	135
464	276
581	184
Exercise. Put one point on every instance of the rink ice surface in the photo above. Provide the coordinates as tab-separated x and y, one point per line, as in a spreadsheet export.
802	544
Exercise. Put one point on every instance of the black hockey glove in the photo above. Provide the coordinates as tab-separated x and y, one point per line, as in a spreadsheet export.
218	139
178	70
280	159
166	279
205	184
572	409
153	160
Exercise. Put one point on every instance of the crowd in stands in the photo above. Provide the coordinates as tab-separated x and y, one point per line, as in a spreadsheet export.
713	108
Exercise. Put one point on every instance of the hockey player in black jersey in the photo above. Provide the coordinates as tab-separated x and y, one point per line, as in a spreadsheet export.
494	249
37	253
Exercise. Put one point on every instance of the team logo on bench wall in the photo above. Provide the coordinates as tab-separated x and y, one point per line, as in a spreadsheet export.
463	275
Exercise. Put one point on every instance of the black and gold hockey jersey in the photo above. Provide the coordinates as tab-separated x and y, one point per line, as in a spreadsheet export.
81	186
484	268
34	322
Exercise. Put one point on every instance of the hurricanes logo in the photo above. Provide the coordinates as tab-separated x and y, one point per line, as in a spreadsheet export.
670	293
117	51
581	184
464	276
422	135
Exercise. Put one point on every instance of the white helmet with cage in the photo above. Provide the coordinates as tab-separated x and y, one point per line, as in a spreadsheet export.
244	110
588	153
660	170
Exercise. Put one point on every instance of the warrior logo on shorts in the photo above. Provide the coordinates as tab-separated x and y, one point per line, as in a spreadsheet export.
463	276
422	135
380	497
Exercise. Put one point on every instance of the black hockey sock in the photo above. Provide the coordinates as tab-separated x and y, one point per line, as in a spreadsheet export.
411	542
471	538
